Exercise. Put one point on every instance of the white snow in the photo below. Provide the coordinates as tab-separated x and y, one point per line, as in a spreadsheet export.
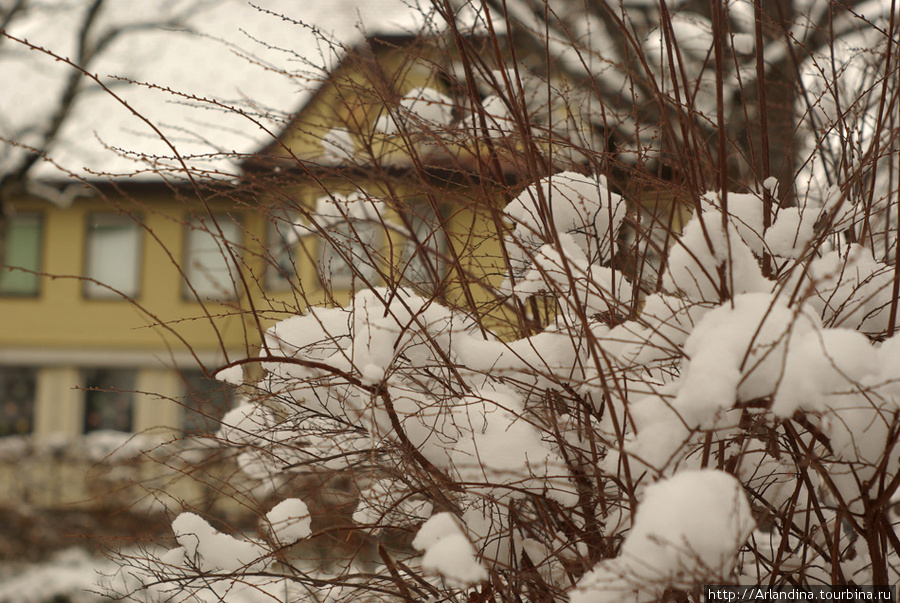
209	550
448	551
771	185
289	521
569	203
233	375
709	260
790	233
687	532
743	43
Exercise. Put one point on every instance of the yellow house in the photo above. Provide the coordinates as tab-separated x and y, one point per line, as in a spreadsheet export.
89	283
119	302
122	298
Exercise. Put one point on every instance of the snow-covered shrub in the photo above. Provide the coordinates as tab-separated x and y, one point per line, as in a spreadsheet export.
733	419
618	458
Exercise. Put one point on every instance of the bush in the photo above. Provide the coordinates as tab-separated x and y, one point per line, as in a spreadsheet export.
678	366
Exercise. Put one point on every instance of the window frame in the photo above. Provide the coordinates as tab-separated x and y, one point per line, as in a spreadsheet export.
92	288
351	280
278	280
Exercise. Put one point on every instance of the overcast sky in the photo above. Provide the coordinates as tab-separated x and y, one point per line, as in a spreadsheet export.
234	53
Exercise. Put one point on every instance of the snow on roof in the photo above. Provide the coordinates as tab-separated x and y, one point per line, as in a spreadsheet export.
264	57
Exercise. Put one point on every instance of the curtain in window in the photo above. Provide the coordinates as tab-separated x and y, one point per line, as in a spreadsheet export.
421	265
23	250
350	251
113	256
208	265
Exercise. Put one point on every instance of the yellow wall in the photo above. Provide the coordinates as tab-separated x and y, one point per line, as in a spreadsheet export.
62	317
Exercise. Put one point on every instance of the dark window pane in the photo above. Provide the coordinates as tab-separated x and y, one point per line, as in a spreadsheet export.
17	393
108	399
205	402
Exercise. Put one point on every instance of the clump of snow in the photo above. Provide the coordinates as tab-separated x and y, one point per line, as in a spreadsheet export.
581	286
289	521
745	214
242	424
505	450
497	117
736	352
791	233
743	43
581	206
207	549
852	290
233	375
448	552
711	262
687	531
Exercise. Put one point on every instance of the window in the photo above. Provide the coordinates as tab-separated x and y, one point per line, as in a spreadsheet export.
421	262
17	392
283	239
21	256
208	266
205	402
349	252
108	399
113	256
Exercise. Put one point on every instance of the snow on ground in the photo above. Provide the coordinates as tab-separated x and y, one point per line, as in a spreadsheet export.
71	573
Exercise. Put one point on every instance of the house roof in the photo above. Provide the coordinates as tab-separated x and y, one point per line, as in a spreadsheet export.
182	66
